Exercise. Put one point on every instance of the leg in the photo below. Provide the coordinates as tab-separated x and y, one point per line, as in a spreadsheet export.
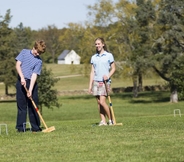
33	115
21	106
101	110
100	92
105	106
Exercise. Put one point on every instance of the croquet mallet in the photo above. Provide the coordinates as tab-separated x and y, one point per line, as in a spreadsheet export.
46	130
110	105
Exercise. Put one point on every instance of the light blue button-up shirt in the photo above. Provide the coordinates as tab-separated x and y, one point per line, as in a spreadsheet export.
102	64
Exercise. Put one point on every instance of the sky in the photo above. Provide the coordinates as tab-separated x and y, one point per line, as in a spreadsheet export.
38	14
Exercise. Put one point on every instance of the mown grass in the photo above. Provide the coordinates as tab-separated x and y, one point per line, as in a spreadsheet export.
81	81
64	70
150	132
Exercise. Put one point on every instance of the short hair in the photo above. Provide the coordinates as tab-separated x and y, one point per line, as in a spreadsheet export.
103	41
40	46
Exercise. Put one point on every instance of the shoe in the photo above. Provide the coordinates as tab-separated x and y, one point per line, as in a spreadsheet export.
110	122
36	131
102	123
20	131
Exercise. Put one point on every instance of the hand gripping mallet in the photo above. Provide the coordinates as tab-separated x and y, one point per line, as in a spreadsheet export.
110	105
47	130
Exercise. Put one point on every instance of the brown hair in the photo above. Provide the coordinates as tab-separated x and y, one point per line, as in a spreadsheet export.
103	41
40	46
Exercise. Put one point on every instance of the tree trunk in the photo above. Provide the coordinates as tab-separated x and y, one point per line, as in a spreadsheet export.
135	88
140	82
6	89
174	93
53	57
174	96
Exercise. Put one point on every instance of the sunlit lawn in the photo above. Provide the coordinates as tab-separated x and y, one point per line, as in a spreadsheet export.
150	132
81	81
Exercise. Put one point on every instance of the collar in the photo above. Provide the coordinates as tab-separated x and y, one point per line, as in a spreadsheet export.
105	53
33	54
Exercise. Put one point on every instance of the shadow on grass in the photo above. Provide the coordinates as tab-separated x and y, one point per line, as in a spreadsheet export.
94	124
7	101
143	97
146	97
79	97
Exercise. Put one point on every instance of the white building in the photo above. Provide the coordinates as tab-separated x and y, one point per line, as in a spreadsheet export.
69	57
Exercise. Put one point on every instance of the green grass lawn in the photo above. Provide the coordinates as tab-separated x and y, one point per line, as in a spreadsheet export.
81	81
150	132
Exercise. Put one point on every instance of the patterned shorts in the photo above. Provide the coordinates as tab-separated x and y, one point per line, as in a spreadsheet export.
99	88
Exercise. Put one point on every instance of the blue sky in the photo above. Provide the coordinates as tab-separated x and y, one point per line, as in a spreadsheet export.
38	14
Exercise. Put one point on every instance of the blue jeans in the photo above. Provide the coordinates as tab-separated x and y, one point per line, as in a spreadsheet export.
24	105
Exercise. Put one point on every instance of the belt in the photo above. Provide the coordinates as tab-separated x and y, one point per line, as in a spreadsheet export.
98	81
24	78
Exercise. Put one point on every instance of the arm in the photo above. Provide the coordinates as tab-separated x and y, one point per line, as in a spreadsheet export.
32	83
19	71
113	69
91	79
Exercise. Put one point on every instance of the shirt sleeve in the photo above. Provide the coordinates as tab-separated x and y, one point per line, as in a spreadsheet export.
91	60
20	56
111	58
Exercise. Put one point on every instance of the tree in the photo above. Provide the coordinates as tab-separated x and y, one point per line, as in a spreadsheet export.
168	46
140	58
51	36
47	95
7	52
103	13
23	37
176	80
81	39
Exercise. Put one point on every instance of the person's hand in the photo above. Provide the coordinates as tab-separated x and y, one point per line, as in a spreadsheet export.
90	90
105	78
29	94
23	82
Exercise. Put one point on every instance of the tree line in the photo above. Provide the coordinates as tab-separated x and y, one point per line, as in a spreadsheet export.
143	35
